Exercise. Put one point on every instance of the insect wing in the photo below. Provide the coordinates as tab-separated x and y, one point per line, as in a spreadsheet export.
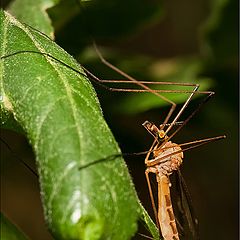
187	222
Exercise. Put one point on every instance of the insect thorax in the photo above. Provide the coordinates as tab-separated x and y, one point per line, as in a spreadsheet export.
170	161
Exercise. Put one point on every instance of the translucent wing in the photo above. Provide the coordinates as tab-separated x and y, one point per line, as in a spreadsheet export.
187	222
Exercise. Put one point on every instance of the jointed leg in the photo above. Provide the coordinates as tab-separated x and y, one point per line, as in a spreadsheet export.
143	85
152	198
191	145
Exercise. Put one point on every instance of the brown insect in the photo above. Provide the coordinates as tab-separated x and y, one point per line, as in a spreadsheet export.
166	155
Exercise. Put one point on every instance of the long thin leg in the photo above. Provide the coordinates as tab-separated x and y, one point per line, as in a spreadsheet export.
104	61
173	107
18	158
192	144
152	198
154	91
189	117
142	84
150	150
139	83
145	236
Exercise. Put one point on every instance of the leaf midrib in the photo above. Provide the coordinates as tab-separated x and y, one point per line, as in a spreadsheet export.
67	88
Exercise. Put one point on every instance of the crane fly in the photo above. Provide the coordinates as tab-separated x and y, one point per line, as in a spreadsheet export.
167	156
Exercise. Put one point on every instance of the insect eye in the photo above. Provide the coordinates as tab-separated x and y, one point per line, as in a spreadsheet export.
161	134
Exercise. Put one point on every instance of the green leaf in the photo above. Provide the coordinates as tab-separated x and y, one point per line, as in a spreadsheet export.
151	226
9	231
60	114
34	13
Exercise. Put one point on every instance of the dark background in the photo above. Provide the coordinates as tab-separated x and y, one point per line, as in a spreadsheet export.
154	31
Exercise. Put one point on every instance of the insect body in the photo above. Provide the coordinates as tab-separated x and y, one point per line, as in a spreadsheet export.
165	161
